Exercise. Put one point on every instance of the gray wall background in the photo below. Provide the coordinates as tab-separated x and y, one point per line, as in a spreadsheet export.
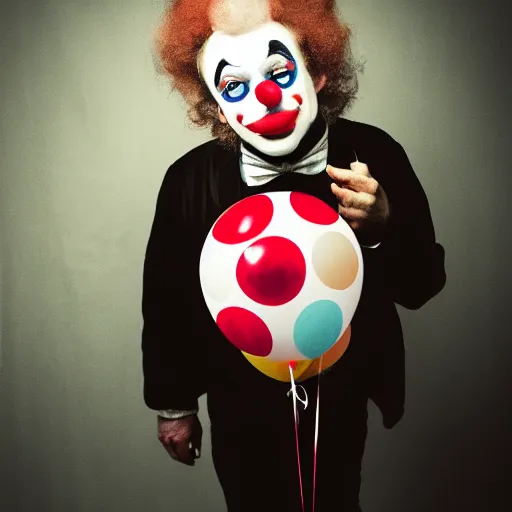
87	132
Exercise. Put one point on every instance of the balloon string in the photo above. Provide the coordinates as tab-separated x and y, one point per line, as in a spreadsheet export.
317	423
294	395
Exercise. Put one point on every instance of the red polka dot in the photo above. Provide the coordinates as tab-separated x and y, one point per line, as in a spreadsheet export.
244	220
245	330
312	209
271	271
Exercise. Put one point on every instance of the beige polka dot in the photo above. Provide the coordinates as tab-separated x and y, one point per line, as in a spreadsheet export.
335	260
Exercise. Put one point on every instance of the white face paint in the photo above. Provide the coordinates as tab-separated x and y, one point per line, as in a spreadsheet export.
261	83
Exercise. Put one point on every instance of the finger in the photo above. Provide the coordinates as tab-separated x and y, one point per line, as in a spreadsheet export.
169	446
360	168
195	450
355	181
196	443
352	214
354	224
350	199
183	452
164	439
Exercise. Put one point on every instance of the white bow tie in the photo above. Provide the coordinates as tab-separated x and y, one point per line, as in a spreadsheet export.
256	171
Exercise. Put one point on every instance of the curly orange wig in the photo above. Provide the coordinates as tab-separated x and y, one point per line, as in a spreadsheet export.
322	38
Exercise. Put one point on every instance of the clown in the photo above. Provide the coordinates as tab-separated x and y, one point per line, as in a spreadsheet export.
272	80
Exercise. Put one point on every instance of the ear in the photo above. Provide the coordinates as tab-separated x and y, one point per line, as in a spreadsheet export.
222	117
320	83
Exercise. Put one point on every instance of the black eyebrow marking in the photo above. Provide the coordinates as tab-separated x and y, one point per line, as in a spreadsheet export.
276	47
222	64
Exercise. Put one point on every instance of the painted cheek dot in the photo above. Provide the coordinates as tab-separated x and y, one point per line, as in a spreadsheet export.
312	209
271	271
335	260
317	328
245	330
244	220
297	98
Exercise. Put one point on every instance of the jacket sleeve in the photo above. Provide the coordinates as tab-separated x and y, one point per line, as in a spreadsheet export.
172	345
409	263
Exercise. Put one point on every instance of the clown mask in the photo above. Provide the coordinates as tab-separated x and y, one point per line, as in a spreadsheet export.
262	86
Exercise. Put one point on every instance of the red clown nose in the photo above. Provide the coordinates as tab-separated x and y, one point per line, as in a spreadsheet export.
269	93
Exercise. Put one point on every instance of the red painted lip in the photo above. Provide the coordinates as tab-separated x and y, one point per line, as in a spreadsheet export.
275	124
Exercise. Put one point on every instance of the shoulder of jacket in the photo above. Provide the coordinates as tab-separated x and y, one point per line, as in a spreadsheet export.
357	130
198	156
194	163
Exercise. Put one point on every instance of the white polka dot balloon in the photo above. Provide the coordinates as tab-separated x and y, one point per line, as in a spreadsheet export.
281	274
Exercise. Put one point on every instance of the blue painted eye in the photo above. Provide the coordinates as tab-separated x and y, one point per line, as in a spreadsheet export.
235	91
284	77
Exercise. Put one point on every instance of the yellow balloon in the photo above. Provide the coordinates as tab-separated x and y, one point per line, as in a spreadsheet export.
305	369
278	370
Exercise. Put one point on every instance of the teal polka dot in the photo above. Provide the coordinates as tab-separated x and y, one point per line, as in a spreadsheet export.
317	328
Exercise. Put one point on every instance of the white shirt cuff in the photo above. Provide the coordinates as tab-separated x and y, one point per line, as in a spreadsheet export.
172	414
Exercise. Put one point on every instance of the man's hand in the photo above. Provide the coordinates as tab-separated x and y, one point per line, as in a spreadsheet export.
363	203
181	438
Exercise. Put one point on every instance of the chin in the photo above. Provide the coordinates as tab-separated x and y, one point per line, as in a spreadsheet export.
277	147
